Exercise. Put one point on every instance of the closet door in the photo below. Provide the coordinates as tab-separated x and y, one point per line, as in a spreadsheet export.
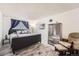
55	30
59	29
51	29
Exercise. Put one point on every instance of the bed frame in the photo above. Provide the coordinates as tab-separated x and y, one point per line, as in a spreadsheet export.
22	42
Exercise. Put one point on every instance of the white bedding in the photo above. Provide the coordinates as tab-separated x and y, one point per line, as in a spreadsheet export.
22	35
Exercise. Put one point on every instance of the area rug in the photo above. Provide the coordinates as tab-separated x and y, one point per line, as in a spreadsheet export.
38	50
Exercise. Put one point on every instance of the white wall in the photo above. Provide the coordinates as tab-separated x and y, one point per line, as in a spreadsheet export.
69	20
32	24
0	28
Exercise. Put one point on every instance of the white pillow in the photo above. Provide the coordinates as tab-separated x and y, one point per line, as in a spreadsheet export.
18	32
23	32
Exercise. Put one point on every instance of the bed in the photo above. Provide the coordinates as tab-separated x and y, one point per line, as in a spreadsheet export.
23	40
20	35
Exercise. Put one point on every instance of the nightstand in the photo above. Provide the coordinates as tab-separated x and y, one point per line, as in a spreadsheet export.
6	40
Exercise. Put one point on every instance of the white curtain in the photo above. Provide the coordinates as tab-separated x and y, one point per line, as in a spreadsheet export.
20	26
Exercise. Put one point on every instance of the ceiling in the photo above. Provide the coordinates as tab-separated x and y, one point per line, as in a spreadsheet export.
35	10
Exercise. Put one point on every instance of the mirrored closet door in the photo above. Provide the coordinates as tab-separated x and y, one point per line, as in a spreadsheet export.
54	33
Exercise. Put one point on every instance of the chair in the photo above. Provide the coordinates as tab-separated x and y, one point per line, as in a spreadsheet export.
72	38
